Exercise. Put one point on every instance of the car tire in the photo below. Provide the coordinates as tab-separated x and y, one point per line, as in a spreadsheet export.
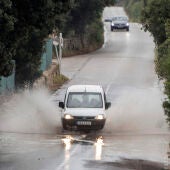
65	126
127	29
101	127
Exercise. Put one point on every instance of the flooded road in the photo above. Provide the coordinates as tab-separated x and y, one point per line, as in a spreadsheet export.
136	134
75	150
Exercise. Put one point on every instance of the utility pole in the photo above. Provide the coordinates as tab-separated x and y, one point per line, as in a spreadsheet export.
60	51
58	44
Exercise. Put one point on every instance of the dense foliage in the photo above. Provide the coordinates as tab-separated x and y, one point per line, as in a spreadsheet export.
24	25
7	51
133	8
156	19
86	23
83	14
84	18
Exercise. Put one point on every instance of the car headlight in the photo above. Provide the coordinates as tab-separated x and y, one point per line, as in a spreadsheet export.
112	24
67	116
99	117
127	24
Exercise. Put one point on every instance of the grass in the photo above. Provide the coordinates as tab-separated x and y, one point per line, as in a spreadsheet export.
58	80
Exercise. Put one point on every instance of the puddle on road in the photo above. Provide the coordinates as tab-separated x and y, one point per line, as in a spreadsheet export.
23	143
126	164
142	150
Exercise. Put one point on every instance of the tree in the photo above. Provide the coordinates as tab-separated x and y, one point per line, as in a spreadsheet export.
154	18
84	13
35	20
7	51
24	26
164	68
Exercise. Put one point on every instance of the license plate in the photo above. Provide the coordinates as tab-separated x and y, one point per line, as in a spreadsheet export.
84	123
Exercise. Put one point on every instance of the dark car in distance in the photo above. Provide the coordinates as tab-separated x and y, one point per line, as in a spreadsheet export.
120	22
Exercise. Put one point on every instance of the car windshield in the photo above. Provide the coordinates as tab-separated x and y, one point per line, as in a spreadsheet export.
119	19
84	100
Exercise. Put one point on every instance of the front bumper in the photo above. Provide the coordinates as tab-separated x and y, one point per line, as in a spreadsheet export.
86	124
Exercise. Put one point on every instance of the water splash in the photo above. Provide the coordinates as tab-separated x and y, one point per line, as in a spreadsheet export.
133	111
30	111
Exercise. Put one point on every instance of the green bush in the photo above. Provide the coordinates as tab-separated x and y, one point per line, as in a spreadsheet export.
95	33
59	80
155	19
134	9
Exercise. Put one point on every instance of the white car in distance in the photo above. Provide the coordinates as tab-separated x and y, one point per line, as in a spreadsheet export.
84	107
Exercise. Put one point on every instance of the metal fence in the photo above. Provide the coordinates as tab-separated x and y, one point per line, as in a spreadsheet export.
7	84
46	58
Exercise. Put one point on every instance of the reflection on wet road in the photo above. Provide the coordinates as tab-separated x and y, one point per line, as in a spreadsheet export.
99	144
141	152
67	142
89	150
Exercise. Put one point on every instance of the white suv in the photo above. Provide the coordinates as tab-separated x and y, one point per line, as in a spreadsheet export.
84	107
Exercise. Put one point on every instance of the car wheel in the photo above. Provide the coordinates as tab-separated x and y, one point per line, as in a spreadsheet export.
101	127
127	29
65	126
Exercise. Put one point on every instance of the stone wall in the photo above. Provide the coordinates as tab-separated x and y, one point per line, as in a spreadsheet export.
74	46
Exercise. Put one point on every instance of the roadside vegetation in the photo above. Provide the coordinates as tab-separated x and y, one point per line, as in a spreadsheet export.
155	18
133	8
25	24
58	81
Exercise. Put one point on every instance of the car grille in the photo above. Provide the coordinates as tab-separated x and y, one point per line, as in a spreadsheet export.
84	117
120	25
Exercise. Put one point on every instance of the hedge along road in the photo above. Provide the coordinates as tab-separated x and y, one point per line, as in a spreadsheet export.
135	135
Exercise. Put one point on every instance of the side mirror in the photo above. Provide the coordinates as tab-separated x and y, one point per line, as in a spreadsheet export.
61	105
107	105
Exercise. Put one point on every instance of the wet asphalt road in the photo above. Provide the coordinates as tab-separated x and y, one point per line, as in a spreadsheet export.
135	135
